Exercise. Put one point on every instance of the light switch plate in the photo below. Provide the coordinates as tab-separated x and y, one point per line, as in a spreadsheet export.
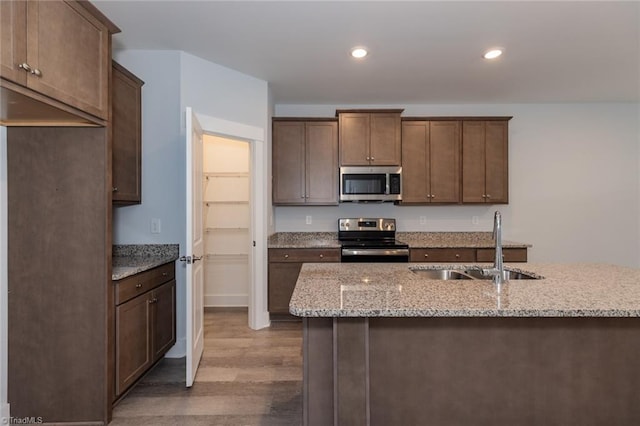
155	225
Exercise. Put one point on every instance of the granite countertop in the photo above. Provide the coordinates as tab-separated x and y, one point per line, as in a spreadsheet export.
303	240
392	290
132	259
414	239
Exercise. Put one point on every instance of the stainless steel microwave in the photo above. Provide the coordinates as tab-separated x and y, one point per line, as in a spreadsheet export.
370	183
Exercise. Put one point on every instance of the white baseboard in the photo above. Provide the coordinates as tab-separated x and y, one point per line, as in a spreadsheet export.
226	300
179	350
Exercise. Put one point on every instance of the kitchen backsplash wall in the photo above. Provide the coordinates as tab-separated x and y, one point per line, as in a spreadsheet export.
409	218
574	182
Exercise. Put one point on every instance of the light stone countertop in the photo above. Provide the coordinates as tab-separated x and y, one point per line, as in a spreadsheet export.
392	290
414	239
131	259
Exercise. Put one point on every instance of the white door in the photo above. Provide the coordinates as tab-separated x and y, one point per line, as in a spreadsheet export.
194	247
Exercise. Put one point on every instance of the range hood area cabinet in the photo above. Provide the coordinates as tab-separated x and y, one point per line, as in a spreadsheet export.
370	137
55	62
485	162
305	161
431	162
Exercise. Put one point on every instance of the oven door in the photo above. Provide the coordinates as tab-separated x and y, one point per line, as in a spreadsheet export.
375	255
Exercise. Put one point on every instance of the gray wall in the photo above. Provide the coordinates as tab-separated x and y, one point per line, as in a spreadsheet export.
173	81
574	183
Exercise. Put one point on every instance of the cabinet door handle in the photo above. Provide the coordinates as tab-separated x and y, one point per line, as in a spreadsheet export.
25	66
115	189
138	285
164	274
488	195
36	72
373	159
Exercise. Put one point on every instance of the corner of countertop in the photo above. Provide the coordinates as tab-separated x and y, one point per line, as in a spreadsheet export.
131	259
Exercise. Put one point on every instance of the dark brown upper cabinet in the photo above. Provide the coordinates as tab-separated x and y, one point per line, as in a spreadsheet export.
485	171
127	136
430	162
55	60
305	162
370	138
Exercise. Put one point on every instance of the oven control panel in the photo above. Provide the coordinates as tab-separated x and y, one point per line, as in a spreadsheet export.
366	224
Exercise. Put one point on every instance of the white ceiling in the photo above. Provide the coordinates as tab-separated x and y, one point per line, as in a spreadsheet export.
422	52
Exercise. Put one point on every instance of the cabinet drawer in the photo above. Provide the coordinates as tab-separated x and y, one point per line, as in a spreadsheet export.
508	255
135	285
443	255
304	255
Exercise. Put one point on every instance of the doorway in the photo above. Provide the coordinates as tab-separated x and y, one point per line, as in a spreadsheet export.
258	315
226	216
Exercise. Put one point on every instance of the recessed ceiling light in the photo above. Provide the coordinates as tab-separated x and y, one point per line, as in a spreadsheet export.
359	52
492	54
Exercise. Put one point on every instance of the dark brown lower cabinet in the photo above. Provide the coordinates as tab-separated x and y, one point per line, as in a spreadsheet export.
515	254
145	326
284	267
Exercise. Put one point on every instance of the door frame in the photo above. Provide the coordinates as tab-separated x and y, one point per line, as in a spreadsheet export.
4	279
255	136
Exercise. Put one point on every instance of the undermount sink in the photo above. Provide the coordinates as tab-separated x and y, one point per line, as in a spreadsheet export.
441	274
508	275
469	274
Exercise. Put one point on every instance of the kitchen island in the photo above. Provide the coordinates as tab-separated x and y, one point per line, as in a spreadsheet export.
384	345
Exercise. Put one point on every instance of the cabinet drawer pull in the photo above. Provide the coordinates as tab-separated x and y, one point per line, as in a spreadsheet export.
426	255
321	256
115	189
138	285
457	256
164	274
286	256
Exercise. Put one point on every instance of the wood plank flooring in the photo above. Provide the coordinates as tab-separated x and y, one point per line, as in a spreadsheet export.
246	377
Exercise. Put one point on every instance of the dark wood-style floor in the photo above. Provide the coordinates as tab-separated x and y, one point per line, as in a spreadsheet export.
246	377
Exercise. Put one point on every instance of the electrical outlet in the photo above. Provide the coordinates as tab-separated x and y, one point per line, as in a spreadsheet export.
308	220
423	220
475	220
156	225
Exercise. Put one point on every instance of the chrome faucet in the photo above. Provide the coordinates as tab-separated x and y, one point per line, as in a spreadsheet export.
498	267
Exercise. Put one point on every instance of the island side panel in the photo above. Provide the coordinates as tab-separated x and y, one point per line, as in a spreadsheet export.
525	371
352	370
318	373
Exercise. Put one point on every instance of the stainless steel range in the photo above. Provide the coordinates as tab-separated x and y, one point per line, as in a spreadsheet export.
371	240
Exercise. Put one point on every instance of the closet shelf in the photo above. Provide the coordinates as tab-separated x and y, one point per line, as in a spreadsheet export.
207	203
227	228
226	175
213	256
